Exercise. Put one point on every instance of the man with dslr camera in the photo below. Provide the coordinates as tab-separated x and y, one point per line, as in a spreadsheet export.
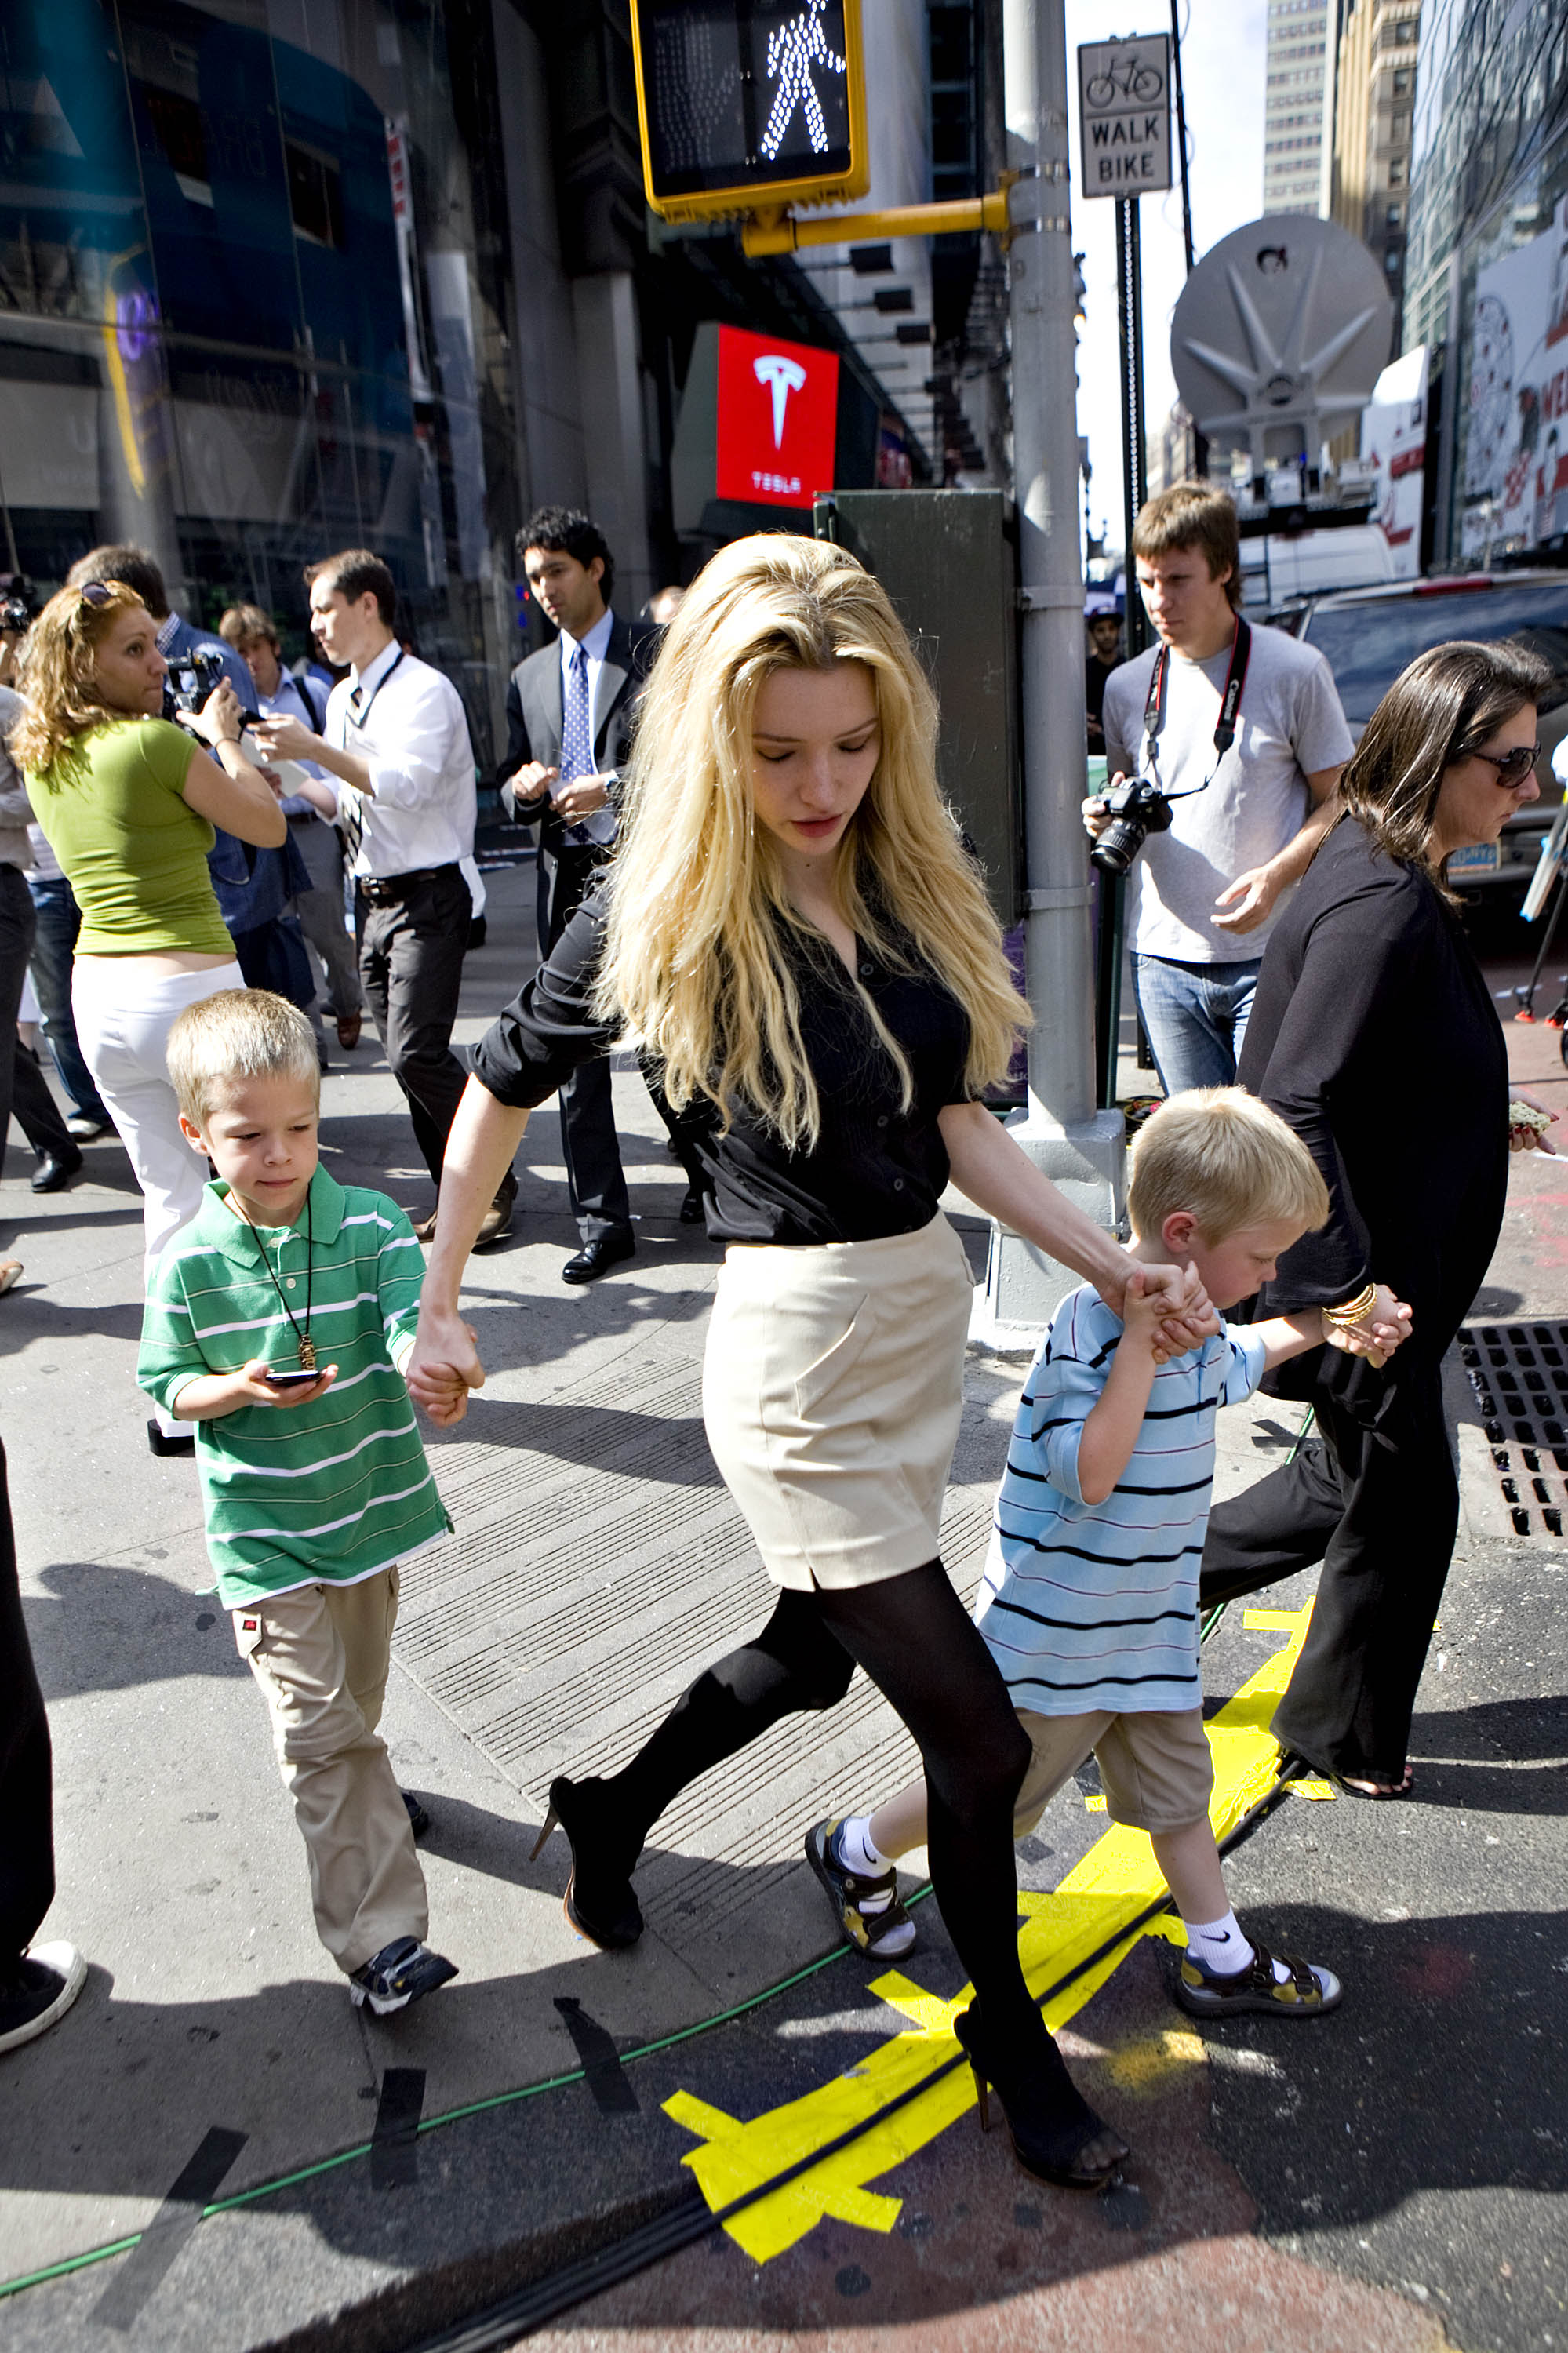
1238	730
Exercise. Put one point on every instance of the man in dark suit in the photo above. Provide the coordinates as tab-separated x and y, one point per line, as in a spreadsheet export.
570	712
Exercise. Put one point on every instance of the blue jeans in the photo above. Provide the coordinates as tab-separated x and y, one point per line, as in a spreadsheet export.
51	963
1194	1017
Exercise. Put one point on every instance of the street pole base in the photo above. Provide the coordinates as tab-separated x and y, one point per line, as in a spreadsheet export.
1023	1287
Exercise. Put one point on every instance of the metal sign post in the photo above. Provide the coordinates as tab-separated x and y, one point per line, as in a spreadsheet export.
1124	118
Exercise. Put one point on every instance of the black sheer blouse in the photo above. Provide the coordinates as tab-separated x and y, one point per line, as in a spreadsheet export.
876	1169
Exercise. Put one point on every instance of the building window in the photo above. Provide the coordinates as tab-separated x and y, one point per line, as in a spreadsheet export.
1394	216
1397	170
1402	81
315	196
1406	29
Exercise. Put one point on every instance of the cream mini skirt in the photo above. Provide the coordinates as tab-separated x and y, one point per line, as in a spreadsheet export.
832	1390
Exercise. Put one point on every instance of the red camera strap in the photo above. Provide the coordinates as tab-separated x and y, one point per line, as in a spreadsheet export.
1230	700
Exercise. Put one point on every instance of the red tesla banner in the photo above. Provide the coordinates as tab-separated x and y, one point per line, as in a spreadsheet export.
777	417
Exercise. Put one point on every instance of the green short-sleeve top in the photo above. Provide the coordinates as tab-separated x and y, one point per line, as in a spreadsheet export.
133	852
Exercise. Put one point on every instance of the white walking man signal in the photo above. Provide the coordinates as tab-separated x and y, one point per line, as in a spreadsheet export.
782	376
791	52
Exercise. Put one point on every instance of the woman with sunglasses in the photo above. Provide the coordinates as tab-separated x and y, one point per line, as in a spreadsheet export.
1375	1037
128	803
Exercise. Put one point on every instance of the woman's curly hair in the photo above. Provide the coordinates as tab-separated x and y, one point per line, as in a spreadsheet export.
58	677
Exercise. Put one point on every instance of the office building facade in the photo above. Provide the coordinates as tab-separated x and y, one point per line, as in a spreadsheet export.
1374	101
1297	119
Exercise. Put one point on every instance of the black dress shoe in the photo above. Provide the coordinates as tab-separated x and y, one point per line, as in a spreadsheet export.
596	1257
54	1174
691	1206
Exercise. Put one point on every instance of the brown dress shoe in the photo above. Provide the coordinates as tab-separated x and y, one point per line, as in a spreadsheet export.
349	1026
425	1228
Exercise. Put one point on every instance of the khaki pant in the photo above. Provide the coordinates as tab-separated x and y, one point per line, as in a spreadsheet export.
1157	1765
321	1655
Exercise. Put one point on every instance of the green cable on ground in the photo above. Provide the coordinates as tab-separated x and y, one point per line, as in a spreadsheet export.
449	2116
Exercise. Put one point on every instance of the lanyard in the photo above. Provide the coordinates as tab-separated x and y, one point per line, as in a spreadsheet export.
359	717
1230	700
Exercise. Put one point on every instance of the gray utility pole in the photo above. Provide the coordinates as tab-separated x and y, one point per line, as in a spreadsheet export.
1080	1148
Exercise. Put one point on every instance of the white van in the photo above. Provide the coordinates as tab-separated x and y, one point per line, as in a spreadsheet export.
1276	568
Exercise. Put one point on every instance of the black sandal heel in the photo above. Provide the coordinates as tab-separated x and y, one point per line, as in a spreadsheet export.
605	1911
1053	2127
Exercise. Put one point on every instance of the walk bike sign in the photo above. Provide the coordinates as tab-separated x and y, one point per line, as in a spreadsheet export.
1124	116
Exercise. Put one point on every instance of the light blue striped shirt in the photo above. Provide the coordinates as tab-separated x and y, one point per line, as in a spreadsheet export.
1094	1605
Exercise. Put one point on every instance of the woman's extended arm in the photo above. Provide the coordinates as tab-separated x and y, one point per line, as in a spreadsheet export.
445	1363
998	1176
226	789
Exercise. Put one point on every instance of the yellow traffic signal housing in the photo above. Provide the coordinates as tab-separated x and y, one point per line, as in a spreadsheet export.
750	105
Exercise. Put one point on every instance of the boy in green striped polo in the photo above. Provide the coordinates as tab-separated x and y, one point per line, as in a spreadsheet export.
278	1321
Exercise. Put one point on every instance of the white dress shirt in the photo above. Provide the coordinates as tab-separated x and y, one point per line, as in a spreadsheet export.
598	826
411	730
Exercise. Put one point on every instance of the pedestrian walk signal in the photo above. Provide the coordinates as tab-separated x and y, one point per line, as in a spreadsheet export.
747	104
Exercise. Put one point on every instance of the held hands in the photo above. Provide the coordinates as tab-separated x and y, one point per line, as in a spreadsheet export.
1258	890
1384	1327
444	1366
1143	1310
1185	1314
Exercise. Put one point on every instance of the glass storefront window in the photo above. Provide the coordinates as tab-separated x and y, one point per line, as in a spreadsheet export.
252	307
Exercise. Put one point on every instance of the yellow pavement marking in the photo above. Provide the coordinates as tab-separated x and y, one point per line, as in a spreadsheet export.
1116	1881
1316	1789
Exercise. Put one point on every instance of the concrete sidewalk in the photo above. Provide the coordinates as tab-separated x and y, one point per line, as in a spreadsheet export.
598	1563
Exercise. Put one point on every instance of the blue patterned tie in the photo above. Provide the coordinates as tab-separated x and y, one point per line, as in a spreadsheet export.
576	728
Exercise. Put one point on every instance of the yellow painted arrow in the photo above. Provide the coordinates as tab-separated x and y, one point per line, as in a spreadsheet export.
1116	1881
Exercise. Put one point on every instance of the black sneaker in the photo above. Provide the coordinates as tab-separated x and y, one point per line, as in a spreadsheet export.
39	1990
419	1819
166	1443
869	1911
398	1974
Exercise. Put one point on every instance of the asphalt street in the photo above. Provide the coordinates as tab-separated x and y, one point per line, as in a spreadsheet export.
213	2151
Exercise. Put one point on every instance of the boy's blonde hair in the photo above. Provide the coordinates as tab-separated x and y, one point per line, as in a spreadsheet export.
238	1034
1230	1160
695	967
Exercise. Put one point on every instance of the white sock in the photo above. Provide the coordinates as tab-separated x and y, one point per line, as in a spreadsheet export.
1221	1948
857	1852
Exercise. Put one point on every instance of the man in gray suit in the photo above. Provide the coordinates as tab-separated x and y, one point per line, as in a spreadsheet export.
570	713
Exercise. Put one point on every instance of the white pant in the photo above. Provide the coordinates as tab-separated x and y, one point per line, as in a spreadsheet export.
123	1015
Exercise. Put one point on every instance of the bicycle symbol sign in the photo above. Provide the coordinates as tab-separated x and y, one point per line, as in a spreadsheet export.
1124	115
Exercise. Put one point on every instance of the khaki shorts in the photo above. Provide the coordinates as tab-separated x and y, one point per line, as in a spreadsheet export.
1158	1769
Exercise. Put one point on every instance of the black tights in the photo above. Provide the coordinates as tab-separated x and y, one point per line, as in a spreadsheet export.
918	1643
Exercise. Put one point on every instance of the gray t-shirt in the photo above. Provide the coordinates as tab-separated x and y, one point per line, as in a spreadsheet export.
16	812
1290	727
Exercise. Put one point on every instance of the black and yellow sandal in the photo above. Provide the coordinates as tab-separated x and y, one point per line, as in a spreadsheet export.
1307	1991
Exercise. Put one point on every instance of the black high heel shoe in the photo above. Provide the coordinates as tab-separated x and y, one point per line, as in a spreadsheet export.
1056	2135
600	1901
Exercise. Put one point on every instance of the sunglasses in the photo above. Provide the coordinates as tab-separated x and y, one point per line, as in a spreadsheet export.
96	593
1513	767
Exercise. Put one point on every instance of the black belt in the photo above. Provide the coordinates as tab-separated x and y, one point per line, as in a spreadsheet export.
380	887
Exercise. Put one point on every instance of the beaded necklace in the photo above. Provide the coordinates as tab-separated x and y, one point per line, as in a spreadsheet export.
306	1345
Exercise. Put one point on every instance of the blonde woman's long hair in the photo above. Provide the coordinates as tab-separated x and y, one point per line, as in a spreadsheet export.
699	916
57	678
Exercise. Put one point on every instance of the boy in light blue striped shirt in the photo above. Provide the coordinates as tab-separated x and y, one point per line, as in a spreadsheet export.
1089	1600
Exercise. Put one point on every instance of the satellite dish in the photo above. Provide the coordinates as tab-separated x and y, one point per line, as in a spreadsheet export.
1281	332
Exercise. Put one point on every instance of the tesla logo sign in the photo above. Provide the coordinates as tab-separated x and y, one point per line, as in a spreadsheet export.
777	417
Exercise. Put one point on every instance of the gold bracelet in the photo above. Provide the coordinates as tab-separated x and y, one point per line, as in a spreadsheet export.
1352	1311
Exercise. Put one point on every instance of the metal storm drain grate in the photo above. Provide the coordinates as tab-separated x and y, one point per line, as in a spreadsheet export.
1520	1374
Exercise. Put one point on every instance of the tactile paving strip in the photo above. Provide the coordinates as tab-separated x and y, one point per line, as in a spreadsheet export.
1520	1375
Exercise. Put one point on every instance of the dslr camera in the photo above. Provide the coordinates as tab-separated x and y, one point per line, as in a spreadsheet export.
193	677
19	607
1137	809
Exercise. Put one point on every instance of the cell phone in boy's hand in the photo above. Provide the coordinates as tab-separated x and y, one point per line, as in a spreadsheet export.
287	1378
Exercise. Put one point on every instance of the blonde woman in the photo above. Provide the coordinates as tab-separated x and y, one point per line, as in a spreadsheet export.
793	932
128	803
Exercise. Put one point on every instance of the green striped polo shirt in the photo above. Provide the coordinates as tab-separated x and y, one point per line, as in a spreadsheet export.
321	1493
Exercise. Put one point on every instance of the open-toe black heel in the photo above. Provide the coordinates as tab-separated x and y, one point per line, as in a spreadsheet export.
600	1901
1056	2135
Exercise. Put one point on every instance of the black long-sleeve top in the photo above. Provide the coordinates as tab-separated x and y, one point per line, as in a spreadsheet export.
876	1169
1373	1036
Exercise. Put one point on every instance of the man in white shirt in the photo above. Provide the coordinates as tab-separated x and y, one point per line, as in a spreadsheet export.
400	782
1245	818
251	632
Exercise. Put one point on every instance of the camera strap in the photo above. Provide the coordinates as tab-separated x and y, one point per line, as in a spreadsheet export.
1230	700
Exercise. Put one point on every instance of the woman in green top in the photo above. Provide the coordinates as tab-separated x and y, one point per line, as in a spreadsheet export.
129	802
